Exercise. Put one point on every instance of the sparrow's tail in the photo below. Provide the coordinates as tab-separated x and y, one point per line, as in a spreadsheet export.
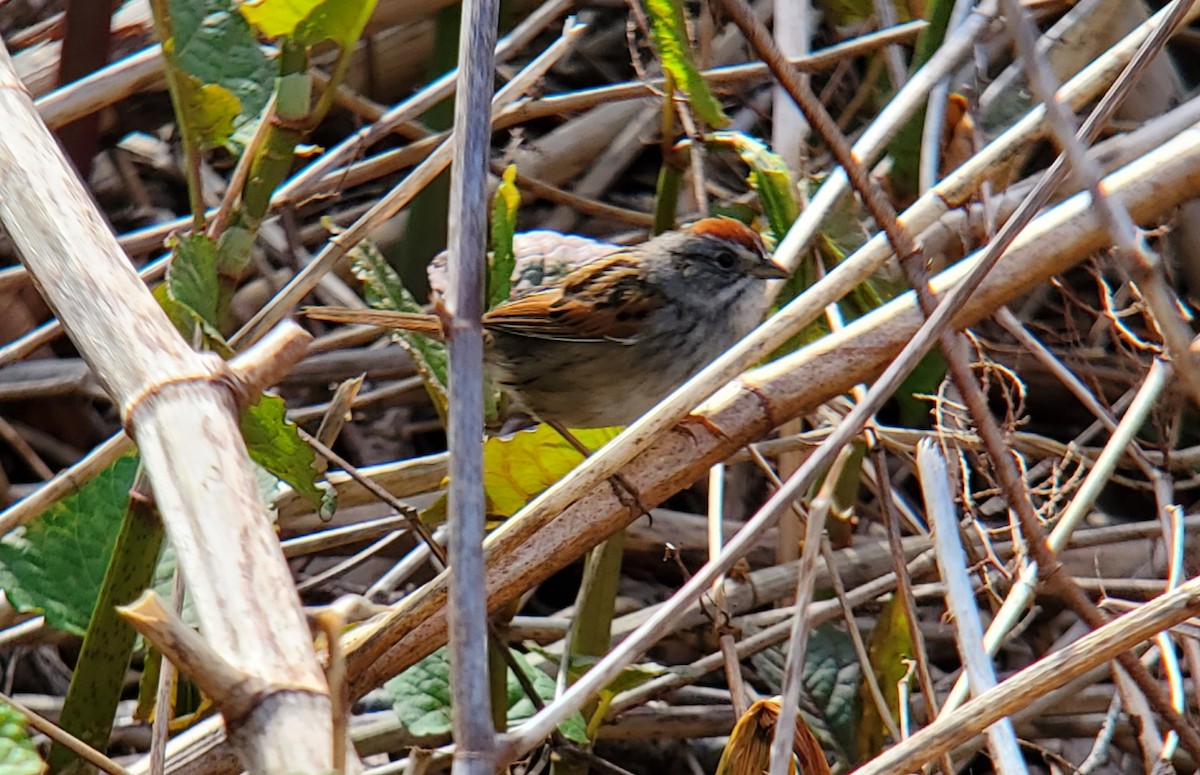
417	322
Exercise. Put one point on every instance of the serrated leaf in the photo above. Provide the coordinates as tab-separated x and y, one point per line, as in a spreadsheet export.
56	563
889	647
310	21
669	31
229	78
829	695
189	323
504	226
192	276
18	755
519	467
274	443
421	697
769	177
384	290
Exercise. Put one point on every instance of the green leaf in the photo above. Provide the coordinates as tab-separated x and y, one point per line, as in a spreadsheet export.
504	225
310	21
921	381
829	697
384	290
520	707
18	756
769	177
631	677
274	443
890	646
192	278
229	76
421	697
518	467
98	680
56	563
669	31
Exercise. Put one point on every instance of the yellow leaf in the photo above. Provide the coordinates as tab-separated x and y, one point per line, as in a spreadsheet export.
519	467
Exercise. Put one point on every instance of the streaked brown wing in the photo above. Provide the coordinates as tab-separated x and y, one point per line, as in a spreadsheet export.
603	300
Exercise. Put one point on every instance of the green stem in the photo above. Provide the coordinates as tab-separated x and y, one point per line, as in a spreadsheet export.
172	73
593	619
99	676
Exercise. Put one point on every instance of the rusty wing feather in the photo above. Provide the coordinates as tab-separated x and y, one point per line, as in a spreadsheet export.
607	299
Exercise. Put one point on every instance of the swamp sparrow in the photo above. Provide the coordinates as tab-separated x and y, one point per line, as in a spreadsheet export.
594	334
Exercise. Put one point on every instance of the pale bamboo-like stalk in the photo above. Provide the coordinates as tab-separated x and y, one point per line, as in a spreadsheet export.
475	744
960	599
181	408
795	23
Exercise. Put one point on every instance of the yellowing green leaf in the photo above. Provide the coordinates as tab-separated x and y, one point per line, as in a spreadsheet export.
208	111
769	177
310	21
518	467
504	225
276	18
212	43
669	31
890	645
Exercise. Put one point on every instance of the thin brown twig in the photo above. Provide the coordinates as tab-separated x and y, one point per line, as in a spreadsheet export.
411	515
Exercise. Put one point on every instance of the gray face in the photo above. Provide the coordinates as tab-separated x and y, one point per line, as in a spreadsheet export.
711	275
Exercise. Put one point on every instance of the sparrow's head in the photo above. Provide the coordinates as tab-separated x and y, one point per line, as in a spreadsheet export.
717	257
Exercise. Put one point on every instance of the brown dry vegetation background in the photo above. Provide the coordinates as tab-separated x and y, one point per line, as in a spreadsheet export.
1075	333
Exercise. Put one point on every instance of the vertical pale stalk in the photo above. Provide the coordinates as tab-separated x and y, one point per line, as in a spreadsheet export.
960	600
473	732
793	28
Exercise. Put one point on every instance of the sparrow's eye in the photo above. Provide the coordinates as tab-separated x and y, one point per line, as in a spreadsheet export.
726	259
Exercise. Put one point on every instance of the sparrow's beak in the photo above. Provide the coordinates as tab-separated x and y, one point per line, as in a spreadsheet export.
767	269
